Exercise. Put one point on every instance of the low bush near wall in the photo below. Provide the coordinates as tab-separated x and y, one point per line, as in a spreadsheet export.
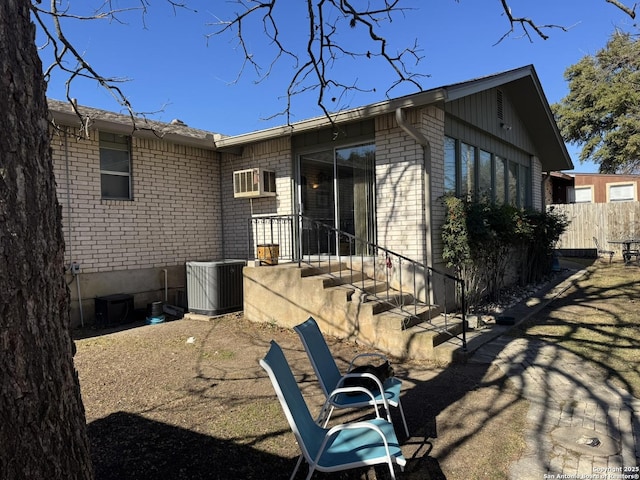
481	239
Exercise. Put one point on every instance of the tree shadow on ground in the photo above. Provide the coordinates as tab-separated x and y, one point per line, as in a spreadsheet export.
452	413
127	446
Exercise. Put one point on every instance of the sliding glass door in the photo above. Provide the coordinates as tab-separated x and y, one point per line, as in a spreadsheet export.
337	188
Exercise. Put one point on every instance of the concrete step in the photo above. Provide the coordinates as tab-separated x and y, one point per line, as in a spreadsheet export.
419	331
309	270
379	297
403	318
370	286
424	339
368	301
341	277
387	301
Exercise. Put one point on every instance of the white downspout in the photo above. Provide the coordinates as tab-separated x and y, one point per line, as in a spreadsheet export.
68	187
166	286
426	198
73	266
77	275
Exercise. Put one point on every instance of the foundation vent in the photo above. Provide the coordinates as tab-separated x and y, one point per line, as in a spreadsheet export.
500	104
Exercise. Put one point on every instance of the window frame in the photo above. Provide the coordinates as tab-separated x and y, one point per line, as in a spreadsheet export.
511	181
108	141
450	179
630	185
583	188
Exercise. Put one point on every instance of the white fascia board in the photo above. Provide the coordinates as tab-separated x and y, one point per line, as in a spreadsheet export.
471	87
368	111
206	141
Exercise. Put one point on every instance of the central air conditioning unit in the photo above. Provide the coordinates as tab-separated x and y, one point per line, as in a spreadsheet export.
254	182
215	287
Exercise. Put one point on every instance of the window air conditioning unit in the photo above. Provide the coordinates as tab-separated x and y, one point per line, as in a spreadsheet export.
254	182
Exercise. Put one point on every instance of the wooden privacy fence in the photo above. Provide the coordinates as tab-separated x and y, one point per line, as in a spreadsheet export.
604	221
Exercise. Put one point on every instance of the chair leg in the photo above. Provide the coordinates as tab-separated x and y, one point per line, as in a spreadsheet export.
324	413
391	471
310	474
404	420
327	416
295	470
389	415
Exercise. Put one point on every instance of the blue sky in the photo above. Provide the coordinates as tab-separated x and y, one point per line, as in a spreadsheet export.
173	70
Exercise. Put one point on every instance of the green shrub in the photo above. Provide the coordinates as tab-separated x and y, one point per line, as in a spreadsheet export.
481	239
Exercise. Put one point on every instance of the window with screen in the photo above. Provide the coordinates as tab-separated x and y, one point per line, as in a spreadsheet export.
583	194
115	166
622	192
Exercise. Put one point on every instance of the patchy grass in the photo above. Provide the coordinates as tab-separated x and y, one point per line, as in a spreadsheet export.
187	399
466	420
162	406
598	320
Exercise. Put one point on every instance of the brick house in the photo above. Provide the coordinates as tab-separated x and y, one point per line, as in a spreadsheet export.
137	205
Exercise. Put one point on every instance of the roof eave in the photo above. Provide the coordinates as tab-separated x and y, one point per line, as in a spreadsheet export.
360	113
207	141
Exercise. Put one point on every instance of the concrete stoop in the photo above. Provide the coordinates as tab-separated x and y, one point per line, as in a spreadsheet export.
287	295
343	303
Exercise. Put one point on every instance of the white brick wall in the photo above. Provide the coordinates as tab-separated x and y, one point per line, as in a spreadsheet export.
398	189
400	182
272	155
433	127
174	216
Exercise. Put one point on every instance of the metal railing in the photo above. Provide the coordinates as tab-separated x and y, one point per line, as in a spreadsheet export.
404	284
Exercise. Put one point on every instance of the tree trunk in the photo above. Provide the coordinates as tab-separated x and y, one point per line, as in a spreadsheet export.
42	421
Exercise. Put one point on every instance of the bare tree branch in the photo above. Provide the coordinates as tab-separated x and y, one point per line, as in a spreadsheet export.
337	31
64	50
526	23
322	51
631	11
62	47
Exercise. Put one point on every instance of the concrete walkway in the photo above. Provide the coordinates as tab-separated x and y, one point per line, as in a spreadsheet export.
579	425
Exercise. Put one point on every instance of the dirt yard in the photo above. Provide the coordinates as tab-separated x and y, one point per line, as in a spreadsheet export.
187	400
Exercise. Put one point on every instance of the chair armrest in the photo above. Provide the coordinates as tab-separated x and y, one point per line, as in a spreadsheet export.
340	390
361	355
372	377
401	461
361	375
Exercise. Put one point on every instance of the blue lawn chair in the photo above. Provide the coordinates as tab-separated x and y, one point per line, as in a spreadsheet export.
341	447
330	377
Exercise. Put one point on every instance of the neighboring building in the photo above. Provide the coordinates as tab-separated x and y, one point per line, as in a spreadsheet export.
138	204
604	188
558	188
591	188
